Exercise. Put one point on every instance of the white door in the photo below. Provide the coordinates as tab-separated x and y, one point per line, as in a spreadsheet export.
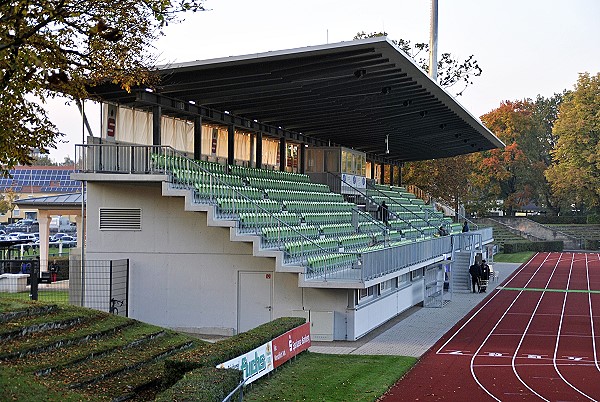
255	298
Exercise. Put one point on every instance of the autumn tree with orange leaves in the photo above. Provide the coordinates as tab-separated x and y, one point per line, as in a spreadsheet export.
513	174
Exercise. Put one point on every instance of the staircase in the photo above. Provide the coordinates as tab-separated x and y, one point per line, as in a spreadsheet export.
517	228
461	280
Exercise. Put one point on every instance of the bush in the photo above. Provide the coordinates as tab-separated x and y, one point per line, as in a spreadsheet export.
518	247
592	244
211	354
593	219
203	384
564	220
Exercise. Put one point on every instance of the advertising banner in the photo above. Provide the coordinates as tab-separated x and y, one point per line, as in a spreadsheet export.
290	344
352	183
253	364
262	360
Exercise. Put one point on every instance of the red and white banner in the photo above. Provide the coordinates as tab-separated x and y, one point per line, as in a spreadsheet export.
265	358
290	344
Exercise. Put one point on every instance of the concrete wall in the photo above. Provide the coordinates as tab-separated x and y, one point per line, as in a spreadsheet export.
185	274
540	231
364	319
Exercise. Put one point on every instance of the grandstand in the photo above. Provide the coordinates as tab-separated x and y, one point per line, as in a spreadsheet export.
224	232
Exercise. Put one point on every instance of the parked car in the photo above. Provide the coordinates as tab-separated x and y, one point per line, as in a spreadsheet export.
27	236
58	236
68	241
13	235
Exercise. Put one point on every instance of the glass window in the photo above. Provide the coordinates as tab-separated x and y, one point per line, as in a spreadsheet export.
386	286
366	294
416	274
332	161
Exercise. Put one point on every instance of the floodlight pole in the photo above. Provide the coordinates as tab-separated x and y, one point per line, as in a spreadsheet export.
433	39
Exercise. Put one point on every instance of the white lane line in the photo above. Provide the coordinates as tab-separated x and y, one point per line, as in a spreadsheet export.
532	316
498	323
587	272
558	338
485	304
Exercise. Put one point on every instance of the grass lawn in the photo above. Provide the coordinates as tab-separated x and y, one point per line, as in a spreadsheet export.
50	296
323	377
520	257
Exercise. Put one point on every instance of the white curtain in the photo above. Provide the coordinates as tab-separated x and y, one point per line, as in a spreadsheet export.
270	150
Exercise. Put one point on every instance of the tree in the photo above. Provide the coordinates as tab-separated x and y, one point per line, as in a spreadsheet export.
447	179
7	202
51	47
514	173
576	169
67	161
451	71
42	160
545	113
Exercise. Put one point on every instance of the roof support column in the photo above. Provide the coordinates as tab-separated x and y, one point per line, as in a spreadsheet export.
156	122
231	144
44	219
373	170
259	150
392	175
400	173
79	225
198	138
302	158
282	154
382	174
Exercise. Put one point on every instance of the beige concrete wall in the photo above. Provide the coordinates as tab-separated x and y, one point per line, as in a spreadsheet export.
184	274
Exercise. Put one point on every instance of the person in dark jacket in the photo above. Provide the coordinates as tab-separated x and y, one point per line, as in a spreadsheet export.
465	227
485	274
383	212
475	272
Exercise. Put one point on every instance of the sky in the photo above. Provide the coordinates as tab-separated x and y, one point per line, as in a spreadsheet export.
525	47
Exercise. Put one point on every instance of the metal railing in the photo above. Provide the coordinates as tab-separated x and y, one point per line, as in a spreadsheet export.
389	260
117	158
240	389
428	198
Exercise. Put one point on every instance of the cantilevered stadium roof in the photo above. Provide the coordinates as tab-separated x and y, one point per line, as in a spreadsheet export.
357	94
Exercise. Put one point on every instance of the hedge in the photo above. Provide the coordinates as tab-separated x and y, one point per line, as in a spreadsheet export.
517	247
211	354
593	219
564	220
592	244
203	384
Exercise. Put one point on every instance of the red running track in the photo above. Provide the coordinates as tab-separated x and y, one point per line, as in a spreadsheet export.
536	337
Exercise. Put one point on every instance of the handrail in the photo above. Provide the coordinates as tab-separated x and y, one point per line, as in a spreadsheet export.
432	199
383	226
239	387
375	202
400	205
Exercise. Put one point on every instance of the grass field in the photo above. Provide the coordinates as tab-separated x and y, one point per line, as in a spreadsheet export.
520	257
323	377
49	295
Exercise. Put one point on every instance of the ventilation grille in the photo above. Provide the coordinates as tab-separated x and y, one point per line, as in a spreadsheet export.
120	219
